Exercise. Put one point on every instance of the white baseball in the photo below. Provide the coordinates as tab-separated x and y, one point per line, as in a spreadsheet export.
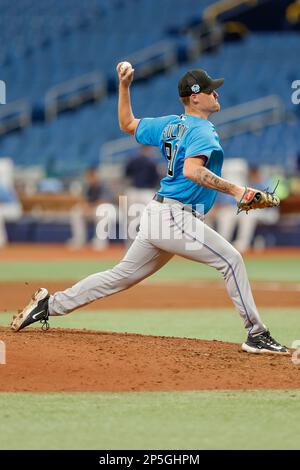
125	65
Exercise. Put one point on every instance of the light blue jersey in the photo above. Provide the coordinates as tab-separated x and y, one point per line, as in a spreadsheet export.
181	137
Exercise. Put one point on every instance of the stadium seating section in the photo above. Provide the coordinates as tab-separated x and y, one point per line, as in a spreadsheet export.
51	46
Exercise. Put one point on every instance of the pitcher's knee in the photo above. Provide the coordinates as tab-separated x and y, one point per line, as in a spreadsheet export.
236	257
231	261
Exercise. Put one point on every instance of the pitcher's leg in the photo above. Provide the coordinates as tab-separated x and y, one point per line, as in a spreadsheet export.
205	245
141	260
223	256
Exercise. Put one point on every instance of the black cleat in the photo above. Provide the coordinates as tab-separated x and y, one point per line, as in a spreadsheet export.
36	310
264	343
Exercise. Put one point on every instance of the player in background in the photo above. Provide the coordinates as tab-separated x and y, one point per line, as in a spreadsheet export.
176	214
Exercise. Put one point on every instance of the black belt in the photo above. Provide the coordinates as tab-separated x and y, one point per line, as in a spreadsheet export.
157	197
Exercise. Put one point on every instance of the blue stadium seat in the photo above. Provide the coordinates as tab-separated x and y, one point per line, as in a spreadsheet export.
45	53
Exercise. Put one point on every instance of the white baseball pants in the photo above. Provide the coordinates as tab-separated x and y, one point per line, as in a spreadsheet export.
165	230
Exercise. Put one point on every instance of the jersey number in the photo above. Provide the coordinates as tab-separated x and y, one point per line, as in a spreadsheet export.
170	155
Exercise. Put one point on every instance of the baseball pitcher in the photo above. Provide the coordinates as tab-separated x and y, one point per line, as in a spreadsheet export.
173	222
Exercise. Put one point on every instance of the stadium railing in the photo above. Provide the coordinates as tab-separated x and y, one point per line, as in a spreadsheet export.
15	115
73	93
250	116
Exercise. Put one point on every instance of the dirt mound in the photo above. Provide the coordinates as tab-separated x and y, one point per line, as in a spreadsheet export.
79	360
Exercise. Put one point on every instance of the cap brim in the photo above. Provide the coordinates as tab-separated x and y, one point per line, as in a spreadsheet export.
217	83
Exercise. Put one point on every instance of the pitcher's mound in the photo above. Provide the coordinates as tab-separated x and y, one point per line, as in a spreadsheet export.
79	360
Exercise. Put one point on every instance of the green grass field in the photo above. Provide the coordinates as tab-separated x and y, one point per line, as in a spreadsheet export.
178	420
275	269
189	420
222	324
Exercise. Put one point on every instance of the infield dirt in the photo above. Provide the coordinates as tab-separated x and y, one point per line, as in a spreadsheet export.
80	360
185	295
76	360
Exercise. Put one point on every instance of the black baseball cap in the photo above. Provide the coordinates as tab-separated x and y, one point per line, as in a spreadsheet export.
197	81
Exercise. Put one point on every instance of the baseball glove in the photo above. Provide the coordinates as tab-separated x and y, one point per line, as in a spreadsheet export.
257	199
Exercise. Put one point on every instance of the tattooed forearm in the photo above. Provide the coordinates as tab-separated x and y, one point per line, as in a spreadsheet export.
206	178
